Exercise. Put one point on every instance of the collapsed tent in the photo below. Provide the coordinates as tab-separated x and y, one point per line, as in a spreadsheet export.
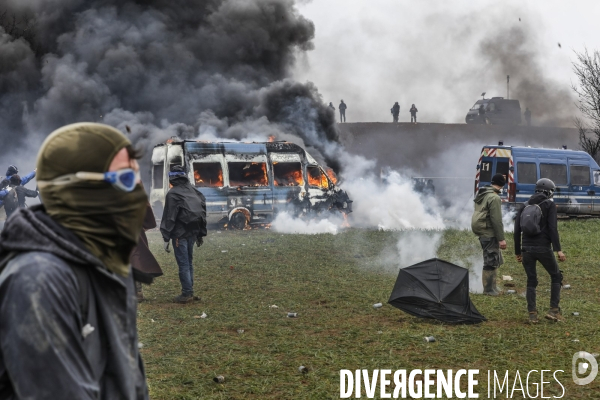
435	289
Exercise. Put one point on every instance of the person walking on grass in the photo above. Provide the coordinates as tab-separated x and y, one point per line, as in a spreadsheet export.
395	110
536	234
487	224
183	223
67	293
342	107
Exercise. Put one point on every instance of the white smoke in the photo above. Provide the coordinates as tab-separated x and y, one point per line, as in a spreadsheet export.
286	223
417	246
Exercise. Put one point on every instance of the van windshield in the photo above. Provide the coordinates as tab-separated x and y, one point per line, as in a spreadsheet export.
317	178
248	174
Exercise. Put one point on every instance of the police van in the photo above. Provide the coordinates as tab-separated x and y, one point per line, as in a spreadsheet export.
575	173
248	183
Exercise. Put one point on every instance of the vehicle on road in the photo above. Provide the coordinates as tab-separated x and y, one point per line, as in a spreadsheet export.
495	111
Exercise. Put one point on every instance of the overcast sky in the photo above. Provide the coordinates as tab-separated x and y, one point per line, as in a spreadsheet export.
442	54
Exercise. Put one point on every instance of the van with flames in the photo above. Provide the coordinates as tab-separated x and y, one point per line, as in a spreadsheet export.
575	173
249	183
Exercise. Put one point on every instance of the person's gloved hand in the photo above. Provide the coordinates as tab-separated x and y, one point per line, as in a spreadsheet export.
167	247
199	242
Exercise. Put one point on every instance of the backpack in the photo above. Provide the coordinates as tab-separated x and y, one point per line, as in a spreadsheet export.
531	219
11	202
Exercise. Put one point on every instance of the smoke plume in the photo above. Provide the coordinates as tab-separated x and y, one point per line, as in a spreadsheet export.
161	68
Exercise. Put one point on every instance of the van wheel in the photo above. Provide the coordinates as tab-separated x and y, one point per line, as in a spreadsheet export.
238	221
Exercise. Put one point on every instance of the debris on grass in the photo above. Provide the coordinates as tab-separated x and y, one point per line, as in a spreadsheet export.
507	278
224	251
219	379
576	314
273	306
429	339
377	305
292	315
240	331
566	287
201	316
303	369
140	345
511	291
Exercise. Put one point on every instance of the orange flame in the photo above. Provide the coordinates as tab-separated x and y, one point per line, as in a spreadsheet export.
271	138
287	174
332	176
207	181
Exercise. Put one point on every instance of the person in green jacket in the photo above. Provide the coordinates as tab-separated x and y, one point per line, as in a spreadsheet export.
487	224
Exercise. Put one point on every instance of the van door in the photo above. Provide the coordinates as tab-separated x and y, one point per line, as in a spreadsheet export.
580	184
555	169
288	181
526	176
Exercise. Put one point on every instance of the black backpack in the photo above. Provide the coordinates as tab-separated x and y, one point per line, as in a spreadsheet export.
531	219
11	202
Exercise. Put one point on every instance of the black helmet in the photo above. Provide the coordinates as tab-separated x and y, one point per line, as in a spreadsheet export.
545	186
12	170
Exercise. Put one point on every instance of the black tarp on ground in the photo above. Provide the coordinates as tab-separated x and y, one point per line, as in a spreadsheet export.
435	289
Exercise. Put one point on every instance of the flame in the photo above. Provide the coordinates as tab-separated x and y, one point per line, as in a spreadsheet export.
207	181
253	174
287	174
346	223
332	176
271	138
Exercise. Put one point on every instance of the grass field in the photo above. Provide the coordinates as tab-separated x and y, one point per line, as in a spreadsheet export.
332	281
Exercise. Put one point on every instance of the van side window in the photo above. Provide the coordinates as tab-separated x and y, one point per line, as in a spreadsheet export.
158	175
492	107
208	174
580	175
175	161
287	174
555	172
526	172
317	178
248	174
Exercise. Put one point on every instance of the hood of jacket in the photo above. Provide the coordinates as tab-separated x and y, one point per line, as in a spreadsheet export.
31	229
537	198
484	192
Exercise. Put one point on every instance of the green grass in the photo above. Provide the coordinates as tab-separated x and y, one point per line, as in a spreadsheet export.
332	283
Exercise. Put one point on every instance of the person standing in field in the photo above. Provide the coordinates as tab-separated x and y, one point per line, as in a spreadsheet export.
487	224
183	223
395	110
536	234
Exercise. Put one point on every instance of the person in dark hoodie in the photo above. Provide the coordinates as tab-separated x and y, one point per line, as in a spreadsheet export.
67	293
183	223
532	246
487	224
16	196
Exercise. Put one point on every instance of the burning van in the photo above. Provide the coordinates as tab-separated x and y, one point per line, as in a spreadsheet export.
249	183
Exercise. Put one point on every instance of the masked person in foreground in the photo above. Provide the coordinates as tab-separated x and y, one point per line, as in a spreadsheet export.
67	293
184	223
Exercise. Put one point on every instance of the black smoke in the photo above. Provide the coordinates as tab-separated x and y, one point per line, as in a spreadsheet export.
162	68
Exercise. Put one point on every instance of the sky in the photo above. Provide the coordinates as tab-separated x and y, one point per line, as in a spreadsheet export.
441	55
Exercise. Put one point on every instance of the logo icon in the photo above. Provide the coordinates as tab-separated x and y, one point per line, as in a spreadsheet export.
581	367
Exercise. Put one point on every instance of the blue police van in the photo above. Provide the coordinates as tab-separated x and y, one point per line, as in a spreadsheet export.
249	183
575	173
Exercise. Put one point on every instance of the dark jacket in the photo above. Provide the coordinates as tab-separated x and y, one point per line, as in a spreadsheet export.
549	234
184	215
142	258
21	193
43	353
396	109
487	217
413	110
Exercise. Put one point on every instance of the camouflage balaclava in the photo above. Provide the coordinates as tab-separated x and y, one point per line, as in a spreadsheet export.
106	219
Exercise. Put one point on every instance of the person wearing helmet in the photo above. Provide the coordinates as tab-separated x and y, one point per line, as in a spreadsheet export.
535	235
487	224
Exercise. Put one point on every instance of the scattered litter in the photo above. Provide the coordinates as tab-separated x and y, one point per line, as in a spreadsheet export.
511	291
86	330
203	315
243	244
240	331
151	320
576	340
576	314
566	287
219	379
379	332
429	339
140	345
509	285
224	251
273	306
507	278
377	305
303	369
292	315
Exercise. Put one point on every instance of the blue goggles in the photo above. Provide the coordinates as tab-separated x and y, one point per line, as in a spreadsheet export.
124	179
174	174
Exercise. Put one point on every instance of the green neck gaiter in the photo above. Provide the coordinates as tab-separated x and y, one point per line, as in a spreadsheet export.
106	219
